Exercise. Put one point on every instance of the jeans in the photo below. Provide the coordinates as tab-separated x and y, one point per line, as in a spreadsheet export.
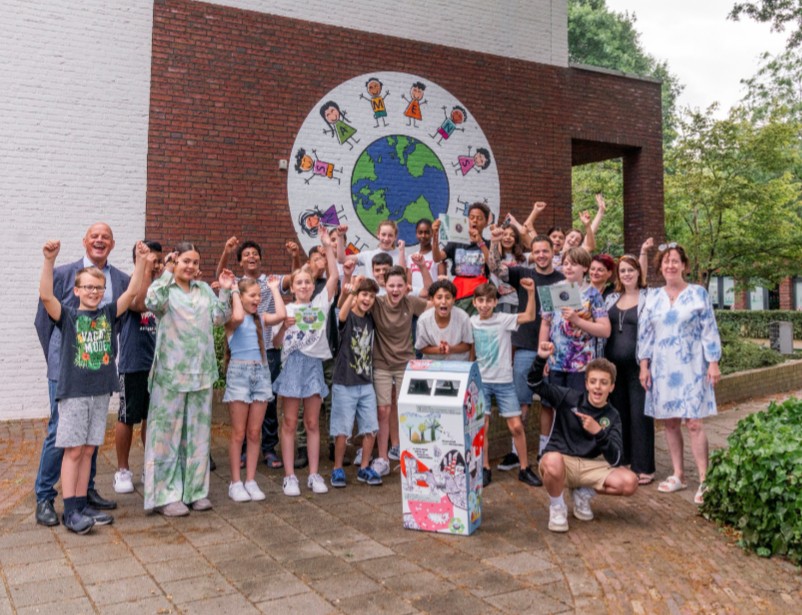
50	459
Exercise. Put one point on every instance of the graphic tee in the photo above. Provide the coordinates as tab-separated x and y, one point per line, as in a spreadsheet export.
492	341
308	334
467	266
353	364
87	353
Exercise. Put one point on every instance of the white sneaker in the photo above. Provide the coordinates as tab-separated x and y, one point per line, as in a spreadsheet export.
316	483
582	497
394	453
257	495
558	518
381	466
123	481
291	487
236	491
358	457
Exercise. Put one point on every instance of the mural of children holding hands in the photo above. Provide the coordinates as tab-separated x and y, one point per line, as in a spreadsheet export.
338	124
479	161
374	87
304	163
416	101
450	123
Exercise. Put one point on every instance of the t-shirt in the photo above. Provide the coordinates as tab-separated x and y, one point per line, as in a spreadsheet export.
417	278
393	348
353	364
137	341
88	363
365	259
527	334
459	330
493	346
574	348
468	266
308	334
331	326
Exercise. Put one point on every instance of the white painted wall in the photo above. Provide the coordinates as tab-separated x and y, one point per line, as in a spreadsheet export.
74	100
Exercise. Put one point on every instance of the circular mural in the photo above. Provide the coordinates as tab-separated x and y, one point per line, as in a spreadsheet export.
387	146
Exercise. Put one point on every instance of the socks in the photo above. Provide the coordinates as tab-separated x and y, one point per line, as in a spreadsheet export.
513	449
544	440
557	501
80	502
69	505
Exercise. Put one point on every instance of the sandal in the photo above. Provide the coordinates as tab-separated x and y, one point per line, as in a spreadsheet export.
273	461
699	498
645	479
671	484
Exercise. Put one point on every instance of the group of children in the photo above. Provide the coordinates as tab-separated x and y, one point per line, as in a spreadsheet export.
383	316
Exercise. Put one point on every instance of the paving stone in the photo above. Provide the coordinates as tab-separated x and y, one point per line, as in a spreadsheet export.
41	552
36	593
417	584
362	550
483	582
156	605
88	554
346	585
454	601
123	590
381	602
163	572
314	568
164	552
301	604
100	572
74	606
232	603
520	563
528	602
235	550
37	571
25	537
385	567
295	550
195	588
270	586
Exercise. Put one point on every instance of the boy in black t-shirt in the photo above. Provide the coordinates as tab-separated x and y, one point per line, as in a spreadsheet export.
87	377
352	382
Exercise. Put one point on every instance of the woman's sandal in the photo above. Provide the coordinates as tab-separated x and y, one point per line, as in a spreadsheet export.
699	498
273	461
645	479
671	484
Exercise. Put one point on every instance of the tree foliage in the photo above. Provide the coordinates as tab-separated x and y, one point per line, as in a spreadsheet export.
779	13
776	88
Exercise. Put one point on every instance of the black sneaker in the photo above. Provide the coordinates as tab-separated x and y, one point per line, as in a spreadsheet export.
487	477
301	458
95	500
78	523
510	462
100	518
530	478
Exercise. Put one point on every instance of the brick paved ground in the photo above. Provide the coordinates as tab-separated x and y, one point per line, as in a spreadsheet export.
347	552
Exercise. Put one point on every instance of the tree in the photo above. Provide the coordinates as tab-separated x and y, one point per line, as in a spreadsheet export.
776	87
777	12
732	199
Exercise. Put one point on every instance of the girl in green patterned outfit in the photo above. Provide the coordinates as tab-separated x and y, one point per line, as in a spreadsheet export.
184	370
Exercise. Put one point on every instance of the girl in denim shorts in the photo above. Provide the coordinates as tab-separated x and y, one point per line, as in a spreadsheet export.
248	386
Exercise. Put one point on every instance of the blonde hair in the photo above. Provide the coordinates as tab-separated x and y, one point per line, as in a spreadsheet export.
93	271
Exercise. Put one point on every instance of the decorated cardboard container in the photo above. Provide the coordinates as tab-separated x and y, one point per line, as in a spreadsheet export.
441	419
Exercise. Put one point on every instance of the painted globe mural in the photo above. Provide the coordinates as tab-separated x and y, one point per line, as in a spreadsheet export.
399	178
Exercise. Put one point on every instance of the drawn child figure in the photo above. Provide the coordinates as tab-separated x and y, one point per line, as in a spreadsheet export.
338	125
304	163
450	123
374	87
86	382
479	161
416	101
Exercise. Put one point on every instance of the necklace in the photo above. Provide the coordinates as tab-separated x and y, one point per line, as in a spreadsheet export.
621	315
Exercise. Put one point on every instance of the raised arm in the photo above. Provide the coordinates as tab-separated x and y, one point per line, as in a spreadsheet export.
49	300
237	311
332	274
599	214
643	258
425	274
495	261
274	284
228	250
590	238
402	255
135	285
528	315
529	224
221	306
437	254
138	304
347	298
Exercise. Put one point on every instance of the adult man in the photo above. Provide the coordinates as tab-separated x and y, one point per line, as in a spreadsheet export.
525	339
98	243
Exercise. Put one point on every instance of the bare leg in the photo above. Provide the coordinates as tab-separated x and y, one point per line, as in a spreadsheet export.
238	411
486	443
384	430
553	468
620	482
312	424
394	437
516	428
253	433
289	423
367	446
123	436
70	468
340	444
84	470
546	422
673	428
699	446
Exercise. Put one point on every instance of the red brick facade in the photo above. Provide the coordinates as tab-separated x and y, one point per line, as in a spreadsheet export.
230	88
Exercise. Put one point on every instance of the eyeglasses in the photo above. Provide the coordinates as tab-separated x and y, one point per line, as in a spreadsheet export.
667	246
92	289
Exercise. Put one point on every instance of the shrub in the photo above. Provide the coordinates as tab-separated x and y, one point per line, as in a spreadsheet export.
220	349
738	354
755	323
755	484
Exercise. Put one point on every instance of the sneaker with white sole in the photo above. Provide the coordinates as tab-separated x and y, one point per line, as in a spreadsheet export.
124	481
381	466
236	491
510	462
291	487
582	509
558	518
257	495
316	483
394	453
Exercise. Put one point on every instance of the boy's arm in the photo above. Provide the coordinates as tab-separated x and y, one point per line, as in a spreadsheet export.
228	250
438	255
274	285
135	284
348	272
348	296
333	275
529	223
402	255
51	304
551	393
528	315
494	259
599	214
138	304
590	237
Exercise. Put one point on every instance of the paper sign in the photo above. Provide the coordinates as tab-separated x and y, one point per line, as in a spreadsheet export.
454	229
556	296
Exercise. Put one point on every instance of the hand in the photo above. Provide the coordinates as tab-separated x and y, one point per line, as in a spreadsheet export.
475	235
356	281
273	282
325	238
401	244
444	347
569	315
496	233
647	245
142	251
512	220
169	261
348	266
51	249
292	248
289	322
227	279
545	350
231	245
645	377
417	258
713	374
600	202
538	207
215	285
589	424
528	284
342	230
436	229
584	217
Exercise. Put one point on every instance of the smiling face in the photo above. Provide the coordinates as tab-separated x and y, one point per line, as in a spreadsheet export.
250	297
599	274
317	265
542	255
599	385
365	300
628	275
379	274
672	267
250	262
573	239
98	243
443	302
186	269
396	288
480	160
332	114
307	163
423	233
302	286
572	271
374	87
558	239
89	299
386	235
508	239
415	93
485	306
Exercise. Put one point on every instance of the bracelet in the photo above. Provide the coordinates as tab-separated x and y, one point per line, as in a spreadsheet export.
233	290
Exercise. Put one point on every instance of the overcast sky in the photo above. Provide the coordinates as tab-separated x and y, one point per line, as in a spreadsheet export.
709	53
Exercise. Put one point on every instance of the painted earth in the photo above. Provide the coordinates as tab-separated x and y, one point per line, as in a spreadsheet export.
401	179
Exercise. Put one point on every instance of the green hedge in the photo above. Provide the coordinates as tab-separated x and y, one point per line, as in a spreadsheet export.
755	324
755	484
220	349
739	354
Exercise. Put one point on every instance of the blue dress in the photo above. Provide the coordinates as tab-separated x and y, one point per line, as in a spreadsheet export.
681	340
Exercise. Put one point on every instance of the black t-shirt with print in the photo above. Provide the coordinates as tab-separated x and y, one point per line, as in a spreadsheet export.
353	363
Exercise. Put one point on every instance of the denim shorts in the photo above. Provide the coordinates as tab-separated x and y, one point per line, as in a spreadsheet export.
352	402
521	365
248	381
506	399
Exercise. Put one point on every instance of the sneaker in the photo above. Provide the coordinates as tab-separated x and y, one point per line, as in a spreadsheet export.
487	477
510	462
236	491
316	483
381	466
202	505
173	509
530	478
257	495
338	478
77	522
123	481
558	518
358	457
369	476
301	458
291	487
394	453
99	517
582	497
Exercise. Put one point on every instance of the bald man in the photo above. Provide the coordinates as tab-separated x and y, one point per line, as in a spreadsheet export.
98	244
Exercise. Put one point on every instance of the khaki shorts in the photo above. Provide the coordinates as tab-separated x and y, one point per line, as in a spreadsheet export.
580	472
383	380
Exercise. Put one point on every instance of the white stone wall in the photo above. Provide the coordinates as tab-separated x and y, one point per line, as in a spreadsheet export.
74	100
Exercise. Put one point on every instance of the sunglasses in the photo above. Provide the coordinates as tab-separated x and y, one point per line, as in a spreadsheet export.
667	246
